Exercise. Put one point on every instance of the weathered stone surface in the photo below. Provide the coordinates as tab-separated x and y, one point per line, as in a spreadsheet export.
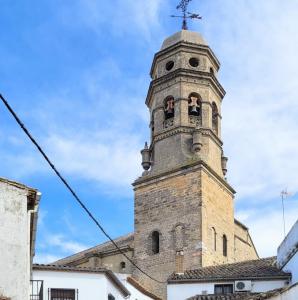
184	196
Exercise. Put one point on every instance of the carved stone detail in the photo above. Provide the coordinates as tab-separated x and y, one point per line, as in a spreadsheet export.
195	120
168	123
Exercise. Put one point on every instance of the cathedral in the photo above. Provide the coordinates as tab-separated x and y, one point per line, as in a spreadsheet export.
184	206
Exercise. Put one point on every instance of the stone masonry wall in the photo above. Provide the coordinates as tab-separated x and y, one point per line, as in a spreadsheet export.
243	245
218	219
111	262
161	205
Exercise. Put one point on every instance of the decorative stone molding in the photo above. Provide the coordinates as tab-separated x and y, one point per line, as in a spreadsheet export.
202	49
185	75
196	165
168	123
195	120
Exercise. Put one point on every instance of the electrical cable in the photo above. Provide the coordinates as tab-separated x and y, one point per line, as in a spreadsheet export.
71	190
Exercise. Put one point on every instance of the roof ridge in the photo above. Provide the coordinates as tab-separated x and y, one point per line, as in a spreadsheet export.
93	248
236	263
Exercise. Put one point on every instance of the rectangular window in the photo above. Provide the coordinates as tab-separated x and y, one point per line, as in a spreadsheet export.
223	289
63	294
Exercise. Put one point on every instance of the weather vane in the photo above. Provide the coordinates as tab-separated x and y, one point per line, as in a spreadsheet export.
186	15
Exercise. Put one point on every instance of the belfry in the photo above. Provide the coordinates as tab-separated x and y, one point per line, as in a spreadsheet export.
184	206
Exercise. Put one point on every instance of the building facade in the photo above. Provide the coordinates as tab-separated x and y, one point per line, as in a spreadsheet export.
247	278
73	283
18	211
184	206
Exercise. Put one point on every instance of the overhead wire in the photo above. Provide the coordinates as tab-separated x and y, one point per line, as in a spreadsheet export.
71	190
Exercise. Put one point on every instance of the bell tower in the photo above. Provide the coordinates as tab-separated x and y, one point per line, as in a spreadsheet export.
184	100
184	210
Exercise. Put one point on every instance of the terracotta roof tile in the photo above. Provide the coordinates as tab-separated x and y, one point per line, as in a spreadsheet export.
252	269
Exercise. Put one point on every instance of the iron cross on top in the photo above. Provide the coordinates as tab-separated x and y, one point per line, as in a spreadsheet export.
186	15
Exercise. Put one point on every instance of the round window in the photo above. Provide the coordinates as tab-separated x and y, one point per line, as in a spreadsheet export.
194	62
169	65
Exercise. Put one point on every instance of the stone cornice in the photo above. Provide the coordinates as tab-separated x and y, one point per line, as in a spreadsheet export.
187	46
186	73
183	169
183	129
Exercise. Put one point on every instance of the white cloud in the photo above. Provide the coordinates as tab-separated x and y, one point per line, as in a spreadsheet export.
63	244
123	18
104	157
44	258
266	225
256	43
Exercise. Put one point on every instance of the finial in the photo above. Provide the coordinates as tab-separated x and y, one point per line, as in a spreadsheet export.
186	15
146	163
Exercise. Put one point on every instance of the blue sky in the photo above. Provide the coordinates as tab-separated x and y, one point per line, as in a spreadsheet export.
77	74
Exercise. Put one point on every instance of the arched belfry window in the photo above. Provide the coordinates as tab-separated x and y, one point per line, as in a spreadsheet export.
214	118
122	265
169	107
155	242
194	104
213	232
224	245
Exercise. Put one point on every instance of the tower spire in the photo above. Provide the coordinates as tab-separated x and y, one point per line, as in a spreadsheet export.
185	14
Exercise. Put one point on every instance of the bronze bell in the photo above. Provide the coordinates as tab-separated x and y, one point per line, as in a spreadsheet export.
194	109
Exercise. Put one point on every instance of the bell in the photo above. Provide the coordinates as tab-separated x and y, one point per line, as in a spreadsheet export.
194	109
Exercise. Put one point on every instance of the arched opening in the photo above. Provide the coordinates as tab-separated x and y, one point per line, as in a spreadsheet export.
194	104
213	238
155	242
169	107
224	245
214	118
211	71
122	265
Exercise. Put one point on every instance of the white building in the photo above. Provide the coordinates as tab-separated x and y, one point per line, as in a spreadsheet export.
287	254
56	282
270	278
18	211
231	281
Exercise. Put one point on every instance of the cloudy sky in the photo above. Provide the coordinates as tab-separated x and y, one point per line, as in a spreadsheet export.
77	74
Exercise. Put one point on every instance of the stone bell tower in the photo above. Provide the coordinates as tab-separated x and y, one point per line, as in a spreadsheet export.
184	212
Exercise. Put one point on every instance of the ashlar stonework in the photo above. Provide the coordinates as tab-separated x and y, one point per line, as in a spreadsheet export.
184	206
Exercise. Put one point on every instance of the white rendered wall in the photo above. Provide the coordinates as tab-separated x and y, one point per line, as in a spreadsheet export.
292	266
288	246
290	294
89	285
14	242
135	294
184	291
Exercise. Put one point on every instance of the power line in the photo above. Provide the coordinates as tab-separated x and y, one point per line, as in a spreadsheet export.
74	194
